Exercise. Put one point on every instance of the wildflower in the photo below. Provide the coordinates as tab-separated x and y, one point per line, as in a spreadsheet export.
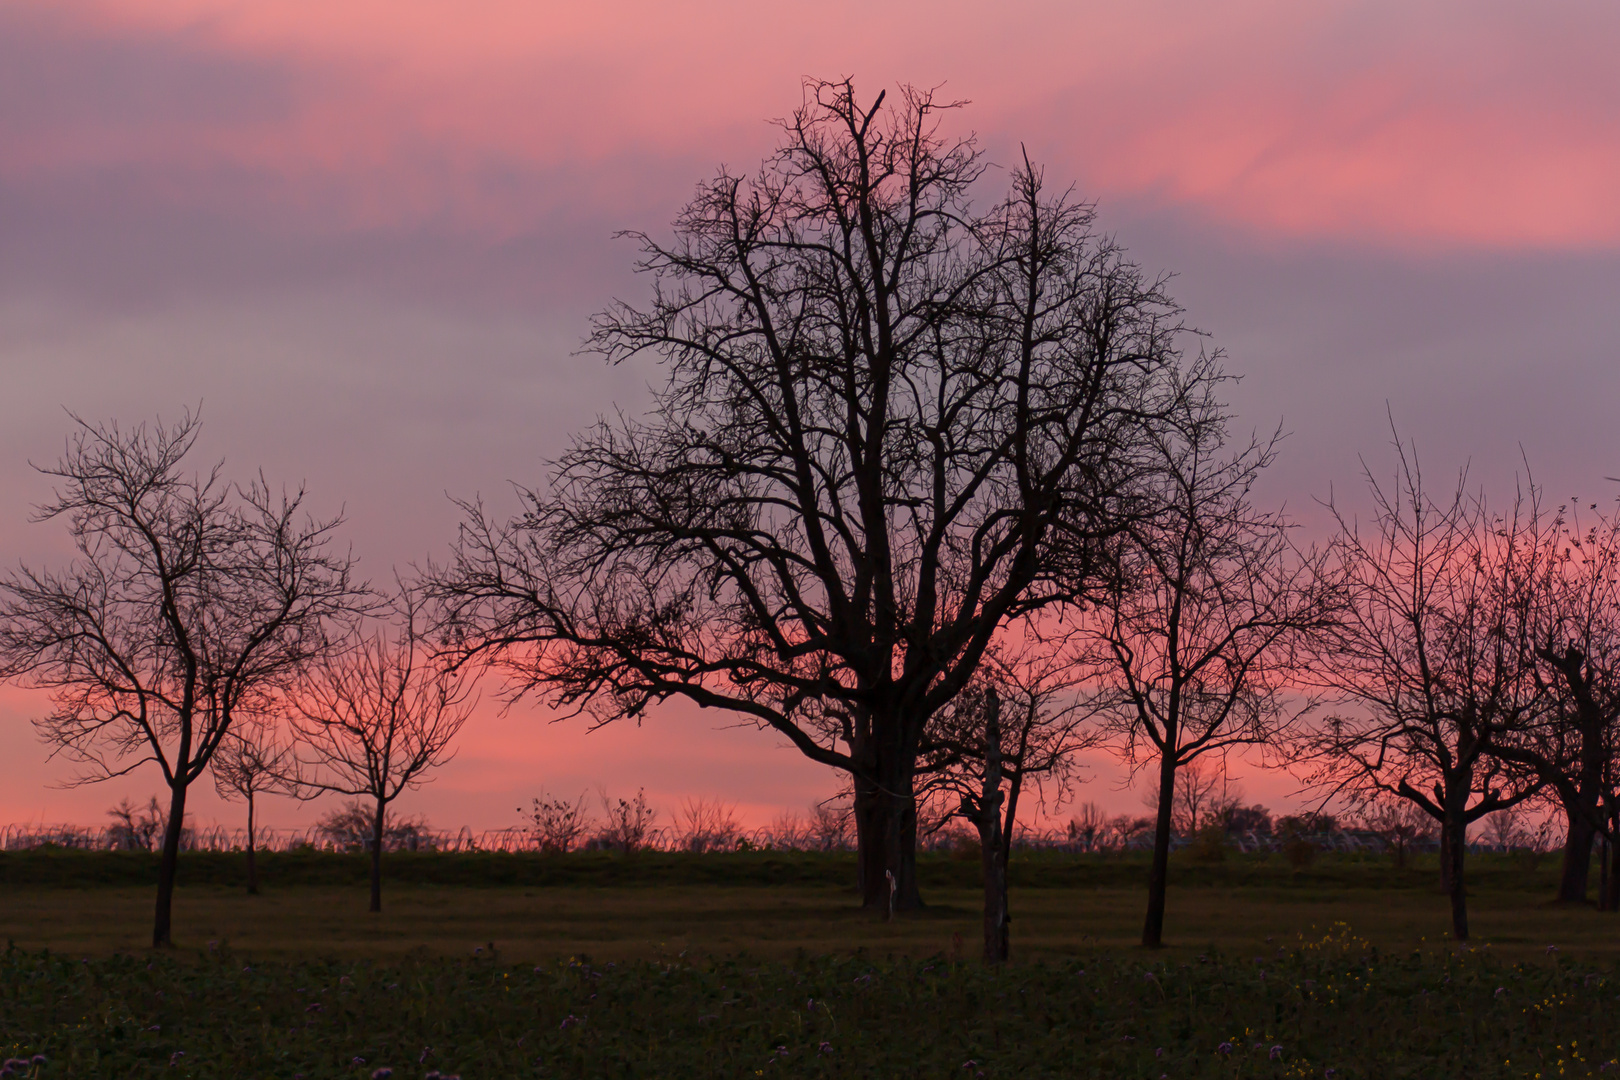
314	1007
824	1048
381	1074
176	1056
1500	990
40	1059
1276	1053
434	1074
426	1050
1158	1051
1224	1049
358	1061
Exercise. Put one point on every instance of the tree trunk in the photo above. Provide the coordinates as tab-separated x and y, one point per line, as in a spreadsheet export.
1445	857
1158	877
992	854
886	835
168	865
1454	847
1575	874
376	858
252	870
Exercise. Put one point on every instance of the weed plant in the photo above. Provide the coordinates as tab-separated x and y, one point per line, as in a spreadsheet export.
1332	1008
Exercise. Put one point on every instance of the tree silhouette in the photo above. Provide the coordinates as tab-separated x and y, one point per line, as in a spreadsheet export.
192	603
893	424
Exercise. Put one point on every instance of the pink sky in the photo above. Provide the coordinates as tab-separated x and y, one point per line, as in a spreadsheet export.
367	236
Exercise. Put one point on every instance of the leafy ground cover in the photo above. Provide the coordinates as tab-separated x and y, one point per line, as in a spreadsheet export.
1335	1006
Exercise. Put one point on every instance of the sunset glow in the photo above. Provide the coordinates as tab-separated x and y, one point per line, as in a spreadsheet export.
368	237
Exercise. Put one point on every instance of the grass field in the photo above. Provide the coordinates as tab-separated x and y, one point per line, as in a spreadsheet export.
767	905
659	968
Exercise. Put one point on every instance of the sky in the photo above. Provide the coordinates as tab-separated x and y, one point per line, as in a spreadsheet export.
367	238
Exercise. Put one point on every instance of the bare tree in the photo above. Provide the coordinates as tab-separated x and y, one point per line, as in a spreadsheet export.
1016	728
373	719
1195	640
1399	823
893	424
192	602
1568	574
1205	794
1426	656
252	761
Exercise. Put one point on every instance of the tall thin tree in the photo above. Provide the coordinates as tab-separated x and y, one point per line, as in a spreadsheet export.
1195	641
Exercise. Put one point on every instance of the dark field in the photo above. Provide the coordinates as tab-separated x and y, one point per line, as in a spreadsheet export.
757	965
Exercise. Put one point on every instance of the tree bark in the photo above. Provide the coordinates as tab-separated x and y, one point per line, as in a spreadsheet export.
992	853
886	836
1158	876
252	870
376	858
1454	847
168	865
1575	874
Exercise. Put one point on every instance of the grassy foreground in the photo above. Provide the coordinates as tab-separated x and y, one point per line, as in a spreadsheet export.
1336	1007
759	965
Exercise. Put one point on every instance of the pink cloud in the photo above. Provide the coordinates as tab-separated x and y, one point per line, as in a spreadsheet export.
1448	125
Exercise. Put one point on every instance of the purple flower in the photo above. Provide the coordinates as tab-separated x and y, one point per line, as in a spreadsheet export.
358	1061
381	1074
315	1007
1158	1051
176	1056
40	1059
1276	1053
824	1048
1224	1049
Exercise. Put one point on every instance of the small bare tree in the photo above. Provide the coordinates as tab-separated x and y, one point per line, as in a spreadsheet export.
1399	823
192	603
1195	642
375	718
1018	728
250	762
1427	661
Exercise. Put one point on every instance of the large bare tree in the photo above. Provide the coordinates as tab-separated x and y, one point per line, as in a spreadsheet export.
374	718
893	422
192	602
1427	661
1197	637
